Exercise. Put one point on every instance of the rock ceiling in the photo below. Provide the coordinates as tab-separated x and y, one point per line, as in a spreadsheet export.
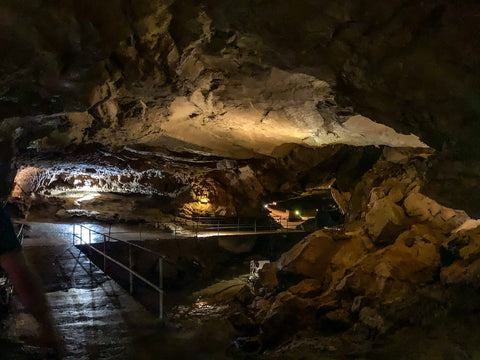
242	79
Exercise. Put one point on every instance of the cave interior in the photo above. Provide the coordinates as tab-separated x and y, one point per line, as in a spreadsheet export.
336	143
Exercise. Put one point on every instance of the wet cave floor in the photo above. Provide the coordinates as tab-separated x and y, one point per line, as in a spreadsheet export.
100	320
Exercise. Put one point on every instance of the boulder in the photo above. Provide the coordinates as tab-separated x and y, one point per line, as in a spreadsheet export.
385	220
393	272
372	319
350	252
260	307
224	291
470	224
461	273
307	288
287	314
267	277
310	257
336	320
245	295
465	242
428	210
341	199
397	193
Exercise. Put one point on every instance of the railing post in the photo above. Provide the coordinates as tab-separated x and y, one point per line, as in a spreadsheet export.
73	235
160	285
218	227
90	243
255	225
130	267
238	224
140	235
104	254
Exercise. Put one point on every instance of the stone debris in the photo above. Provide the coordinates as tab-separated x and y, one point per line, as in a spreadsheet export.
395	252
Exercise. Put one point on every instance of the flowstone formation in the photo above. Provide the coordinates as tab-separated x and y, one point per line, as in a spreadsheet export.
396	281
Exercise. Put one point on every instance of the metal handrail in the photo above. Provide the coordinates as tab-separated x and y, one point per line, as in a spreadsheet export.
20	233
122	241
213	225
128	268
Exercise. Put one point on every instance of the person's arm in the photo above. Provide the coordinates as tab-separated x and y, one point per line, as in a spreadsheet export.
32	296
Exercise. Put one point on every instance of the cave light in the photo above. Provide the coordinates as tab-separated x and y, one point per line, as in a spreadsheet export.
204	201
297	212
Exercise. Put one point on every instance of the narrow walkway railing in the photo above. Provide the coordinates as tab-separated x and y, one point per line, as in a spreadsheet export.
20	233
244	224
204	226
84	235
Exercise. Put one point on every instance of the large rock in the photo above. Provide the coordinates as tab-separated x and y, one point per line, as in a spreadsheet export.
470	224
287	314
461	273
428	210
390	274
461	254
385	220
225	291
372	319
310	257
260	307
267	277
307	288
351	251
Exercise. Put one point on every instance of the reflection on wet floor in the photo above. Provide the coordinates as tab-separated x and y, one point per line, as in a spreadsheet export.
98	318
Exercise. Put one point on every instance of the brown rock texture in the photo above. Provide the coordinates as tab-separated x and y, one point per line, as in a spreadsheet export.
310	257
362	290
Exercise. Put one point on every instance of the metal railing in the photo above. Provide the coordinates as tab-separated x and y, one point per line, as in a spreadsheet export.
202	226
84	235
237	224
20	233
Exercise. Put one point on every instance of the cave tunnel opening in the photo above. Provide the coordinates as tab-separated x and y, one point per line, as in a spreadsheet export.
308	212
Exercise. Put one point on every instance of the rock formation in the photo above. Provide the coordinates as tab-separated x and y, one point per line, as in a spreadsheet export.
400	263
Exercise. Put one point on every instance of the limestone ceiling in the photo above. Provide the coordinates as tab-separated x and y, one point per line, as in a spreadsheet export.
127	74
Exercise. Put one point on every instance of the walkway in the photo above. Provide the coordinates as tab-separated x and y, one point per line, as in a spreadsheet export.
98	318
100	321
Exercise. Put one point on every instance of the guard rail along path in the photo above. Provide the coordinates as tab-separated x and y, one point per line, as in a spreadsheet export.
82	235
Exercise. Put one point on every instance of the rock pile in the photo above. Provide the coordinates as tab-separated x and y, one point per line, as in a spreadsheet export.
395	265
